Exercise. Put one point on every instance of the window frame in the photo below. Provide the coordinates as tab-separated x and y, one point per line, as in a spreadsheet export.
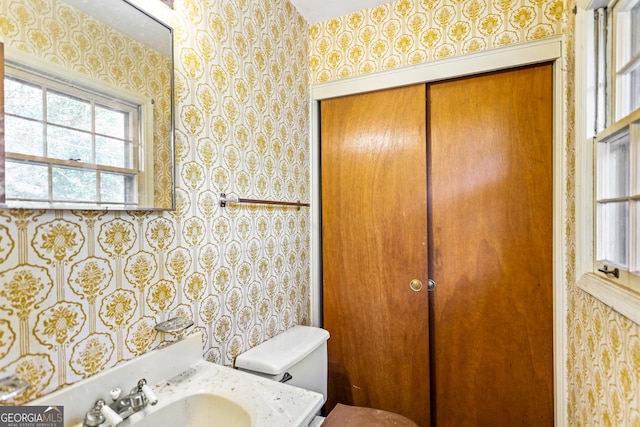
596	105
622	58
627	276
108	94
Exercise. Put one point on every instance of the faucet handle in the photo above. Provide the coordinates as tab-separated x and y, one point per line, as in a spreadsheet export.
151	397
115	393
101	413
110	415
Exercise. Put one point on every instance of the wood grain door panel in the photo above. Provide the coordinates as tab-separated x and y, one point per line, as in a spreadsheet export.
374	239
478	350
491	221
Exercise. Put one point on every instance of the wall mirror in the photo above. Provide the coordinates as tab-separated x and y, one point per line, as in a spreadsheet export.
88	106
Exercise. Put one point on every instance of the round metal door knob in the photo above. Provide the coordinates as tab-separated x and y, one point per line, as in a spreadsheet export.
415	285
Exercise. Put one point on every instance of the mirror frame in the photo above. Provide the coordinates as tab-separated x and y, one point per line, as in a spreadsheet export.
15	55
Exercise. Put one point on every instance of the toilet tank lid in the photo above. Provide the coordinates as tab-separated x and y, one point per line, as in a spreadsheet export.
276	355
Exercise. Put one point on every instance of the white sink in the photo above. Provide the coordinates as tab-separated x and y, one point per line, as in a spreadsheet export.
197	410
191	392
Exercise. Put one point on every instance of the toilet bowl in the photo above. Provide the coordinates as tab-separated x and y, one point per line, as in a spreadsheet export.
298	357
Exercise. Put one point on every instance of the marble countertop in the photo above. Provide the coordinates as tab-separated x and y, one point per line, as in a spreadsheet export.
178	371
269	403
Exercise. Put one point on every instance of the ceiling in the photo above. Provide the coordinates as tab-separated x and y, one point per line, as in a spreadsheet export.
316	11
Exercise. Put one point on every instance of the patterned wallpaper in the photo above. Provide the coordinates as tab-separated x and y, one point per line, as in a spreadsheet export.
408	32
603	347
604	364
80	291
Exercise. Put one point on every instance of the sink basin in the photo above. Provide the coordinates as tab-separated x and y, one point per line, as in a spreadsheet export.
197	410
191	392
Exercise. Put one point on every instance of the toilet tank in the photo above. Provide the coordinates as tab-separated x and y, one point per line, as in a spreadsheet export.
300	352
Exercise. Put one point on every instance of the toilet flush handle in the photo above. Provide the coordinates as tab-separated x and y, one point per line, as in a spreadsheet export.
286	377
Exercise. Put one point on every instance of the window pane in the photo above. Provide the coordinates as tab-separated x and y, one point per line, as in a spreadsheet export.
47	120
71	184
634	83
634	162
26	180
23	136
69	144
613	220
68	111
22	99
613	167
635	262
113	152
115	188
635	30
111	122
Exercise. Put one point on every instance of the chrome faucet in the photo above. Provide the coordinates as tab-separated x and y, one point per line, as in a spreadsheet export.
120	408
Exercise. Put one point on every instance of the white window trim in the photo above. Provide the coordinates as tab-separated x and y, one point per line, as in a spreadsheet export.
21	59
614	295
521	54
621	25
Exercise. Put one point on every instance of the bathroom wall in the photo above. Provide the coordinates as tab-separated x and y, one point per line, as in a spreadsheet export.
80	291
603	346
407	32
604	364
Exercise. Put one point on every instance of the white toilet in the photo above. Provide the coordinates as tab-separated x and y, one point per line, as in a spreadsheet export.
298	357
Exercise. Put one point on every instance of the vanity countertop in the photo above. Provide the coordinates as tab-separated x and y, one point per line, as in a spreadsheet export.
178	371
268	402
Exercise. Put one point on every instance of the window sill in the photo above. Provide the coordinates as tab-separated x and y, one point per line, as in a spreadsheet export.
620	299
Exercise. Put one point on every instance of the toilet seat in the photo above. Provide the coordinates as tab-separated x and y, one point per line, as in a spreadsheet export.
356	416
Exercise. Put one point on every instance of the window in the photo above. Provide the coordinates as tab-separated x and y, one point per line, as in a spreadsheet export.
617	185
626	60
617	201
68	146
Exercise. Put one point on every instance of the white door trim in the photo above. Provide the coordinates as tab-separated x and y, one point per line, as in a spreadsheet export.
464	65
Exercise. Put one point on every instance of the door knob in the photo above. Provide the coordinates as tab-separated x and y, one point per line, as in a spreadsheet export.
431	285
415	285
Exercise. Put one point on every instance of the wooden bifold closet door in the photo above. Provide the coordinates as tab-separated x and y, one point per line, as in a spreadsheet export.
450	181
374	233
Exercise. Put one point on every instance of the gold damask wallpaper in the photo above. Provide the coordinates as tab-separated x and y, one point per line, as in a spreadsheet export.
406	32
80	291
604	364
